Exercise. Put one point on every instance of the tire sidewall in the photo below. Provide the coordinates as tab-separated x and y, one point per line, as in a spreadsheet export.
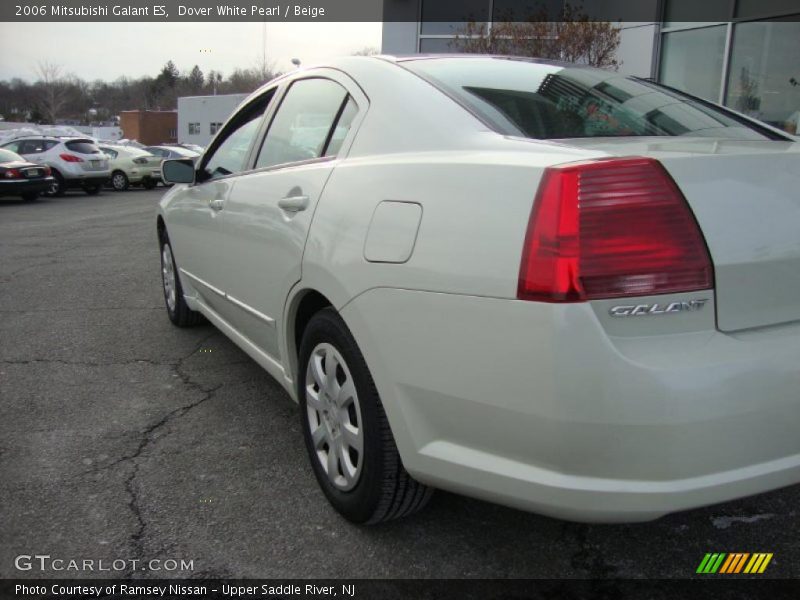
359	503
124	179
59	185
172	314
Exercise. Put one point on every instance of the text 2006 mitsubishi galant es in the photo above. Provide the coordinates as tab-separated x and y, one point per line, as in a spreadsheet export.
548	286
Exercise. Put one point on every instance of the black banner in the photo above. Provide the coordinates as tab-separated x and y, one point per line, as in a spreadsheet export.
713	587
458	11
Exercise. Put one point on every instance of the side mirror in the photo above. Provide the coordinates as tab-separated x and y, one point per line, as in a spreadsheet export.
178	170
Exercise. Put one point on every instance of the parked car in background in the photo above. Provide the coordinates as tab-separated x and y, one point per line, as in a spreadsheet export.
74	162
132	166
192	147
166	152
20	177
545	285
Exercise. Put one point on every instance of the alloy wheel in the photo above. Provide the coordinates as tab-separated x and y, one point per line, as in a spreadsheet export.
119	181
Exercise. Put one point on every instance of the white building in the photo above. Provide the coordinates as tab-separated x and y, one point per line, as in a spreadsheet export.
740	53
200	117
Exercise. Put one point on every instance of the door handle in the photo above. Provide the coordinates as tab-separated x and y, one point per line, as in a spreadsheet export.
293	203
217	204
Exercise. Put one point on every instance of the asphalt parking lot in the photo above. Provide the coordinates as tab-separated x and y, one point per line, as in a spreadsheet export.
122	437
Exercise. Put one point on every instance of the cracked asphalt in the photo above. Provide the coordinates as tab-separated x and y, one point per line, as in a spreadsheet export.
122	437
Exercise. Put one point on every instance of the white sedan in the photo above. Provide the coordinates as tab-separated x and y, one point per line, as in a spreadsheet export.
544	285
132	166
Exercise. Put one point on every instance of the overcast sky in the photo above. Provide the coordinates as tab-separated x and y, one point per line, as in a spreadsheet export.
109	50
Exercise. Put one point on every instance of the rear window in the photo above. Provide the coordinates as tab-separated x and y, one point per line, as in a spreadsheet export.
548	101
82	147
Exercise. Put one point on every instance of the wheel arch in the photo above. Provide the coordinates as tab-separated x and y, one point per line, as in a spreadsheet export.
302	306
161	228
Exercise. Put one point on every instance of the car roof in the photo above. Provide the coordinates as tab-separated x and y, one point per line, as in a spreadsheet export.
401	58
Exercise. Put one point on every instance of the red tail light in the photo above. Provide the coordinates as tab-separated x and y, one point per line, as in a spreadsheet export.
70	158
12	174
47	171
611	228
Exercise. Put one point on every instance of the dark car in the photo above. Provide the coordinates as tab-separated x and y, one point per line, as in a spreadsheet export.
19	177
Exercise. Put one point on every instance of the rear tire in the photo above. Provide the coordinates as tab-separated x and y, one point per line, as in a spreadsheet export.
342	414
119	181
92	190
177	310
149	184
30	196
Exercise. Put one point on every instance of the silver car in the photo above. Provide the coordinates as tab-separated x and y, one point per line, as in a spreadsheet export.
548	286
75	162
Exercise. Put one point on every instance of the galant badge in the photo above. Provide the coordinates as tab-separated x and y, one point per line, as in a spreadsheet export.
648	310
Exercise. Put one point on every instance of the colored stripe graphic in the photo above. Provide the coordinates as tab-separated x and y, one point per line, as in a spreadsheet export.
734	563
711	562
720	562
758	563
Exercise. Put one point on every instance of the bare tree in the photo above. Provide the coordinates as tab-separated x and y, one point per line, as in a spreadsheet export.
575	38
54	90
264	69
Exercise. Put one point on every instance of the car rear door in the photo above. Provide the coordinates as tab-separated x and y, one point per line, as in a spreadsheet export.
269	210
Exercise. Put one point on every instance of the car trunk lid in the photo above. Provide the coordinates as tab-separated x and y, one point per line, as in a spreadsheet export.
746	197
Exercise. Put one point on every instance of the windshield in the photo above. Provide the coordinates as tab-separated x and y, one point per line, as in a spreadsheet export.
549	101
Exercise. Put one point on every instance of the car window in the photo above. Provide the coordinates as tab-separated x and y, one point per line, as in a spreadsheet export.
32	147
13	146
552	101
82	147
303	122
110	152
50	144
230	153
156	152
342	128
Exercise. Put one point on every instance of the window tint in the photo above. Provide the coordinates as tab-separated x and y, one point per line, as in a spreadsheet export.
32	147
110	152
342	127
229	156
548	101
82	147
13	146
303	122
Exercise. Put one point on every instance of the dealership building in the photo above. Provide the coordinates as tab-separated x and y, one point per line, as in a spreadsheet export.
744	54
200	117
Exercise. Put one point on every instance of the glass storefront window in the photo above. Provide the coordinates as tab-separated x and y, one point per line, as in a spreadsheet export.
764	73
692	60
